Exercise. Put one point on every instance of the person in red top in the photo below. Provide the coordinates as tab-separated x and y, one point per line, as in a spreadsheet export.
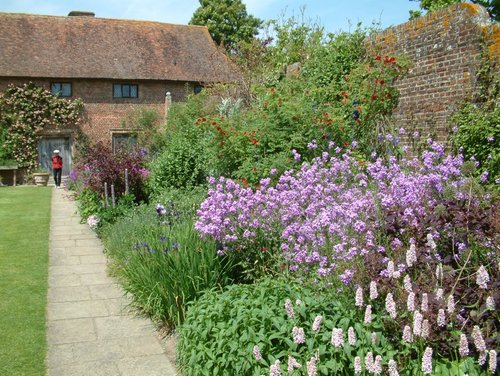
57	164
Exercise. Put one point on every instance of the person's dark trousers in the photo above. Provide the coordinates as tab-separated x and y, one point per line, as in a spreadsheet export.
57	176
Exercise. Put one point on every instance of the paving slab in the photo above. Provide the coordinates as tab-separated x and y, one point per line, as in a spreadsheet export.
90	330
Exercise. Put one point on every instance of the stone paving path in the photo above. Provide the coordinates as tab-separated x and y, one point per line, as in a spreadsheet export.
89	331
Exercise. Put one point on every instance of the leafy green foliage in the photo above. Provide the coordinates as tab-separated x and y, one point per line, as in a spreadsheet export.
478	136
163	263
227	20
24	112
183	161
221	330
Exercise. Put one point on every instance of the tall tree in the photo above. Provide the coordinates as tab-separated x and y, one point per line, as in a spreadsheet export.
493	6
227	20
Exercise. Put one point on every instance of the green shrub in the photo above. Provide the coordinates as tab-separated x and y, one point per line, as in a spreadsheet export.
184	158
478	136
163	263
221	329
253	329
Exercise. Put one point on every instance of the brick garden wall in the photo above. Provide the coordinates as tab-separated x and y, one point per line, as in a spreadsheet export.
445	48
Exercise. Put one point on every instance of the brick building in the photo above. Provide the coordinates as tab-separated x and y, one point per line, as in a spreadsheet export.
115	66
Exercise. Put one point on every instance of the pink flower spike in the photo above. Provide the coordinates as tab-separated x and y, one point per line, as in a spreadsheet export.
373	290
298	335
425	303
464	346
368	314
390	306
441	318
427	361
357	365
351	336
482	277
492	363
359	297
317	323
256	353
292	364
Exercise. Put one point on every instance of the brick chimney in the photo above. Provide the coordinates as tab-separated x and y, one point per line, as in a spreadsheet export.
79	13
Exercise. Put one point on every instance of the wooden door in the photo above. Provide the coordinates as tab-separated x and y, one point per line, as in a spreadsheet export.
46	147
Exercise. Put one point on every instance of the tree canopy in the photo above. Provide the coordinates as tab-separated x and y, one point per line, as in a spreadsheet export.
227	20
493	6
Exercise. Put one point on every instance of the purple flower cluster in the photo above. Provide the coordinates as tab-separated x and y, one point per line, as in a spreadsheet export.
318	213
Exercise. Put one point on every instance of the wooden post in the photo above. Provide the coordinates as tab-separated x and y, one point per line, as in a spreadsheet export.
126	181
106	204
113	195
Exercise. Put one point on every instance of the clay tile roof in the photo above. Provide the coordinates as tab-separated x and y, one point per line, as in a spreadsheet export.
88	47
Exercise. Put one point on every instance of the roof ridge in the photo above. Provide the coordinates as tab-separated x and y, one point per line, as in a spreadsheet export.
124	20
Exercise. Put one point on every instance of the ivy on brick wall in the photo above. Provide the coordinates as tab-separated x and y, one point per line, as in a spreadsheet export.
25	111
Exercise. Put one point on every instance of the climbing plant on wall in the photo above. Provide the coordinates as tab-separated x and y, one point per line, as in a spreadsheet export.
24	112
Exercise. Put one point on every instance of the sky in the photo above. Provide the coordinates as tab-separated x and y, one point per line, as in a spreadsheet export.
333	15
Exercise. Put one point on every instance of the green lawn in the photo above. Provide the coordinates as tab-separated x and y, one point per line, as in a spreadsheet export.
24	240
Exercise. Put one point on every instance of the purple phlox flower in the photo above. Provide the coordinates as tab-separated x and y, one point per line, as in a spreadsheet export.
359	297
483	178
292	364
337	337
296	155
317	323
441	318
346	276
373	290
273	171
427	361
312	145
464	346
390	306
298	335
368	314
275	369
482	277
402	131
351	336
416	134
256	353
